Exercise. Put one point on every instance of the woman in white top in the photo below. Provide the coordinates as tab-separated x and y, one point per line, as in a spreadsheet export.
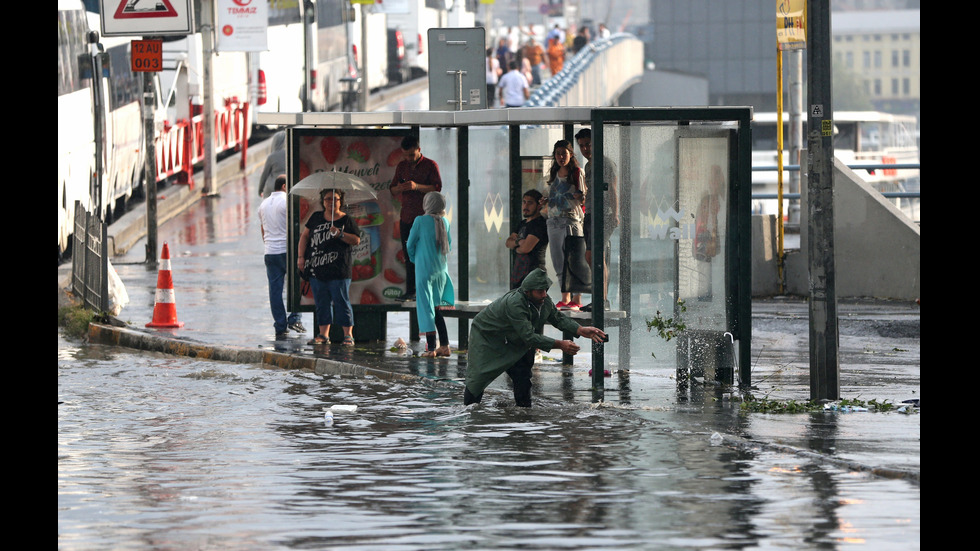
565	200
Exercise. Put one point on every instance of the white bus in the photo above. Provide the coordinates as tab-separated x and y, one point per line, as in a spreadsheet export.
80	117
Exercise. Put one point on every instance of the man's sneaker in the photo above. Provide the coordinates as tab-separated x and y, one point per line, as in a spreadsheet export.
298	327
574	306
562	305
586	308
282	336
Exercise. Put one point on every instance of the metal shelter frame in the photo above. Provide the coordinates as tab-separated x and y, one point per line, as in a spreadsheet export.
737	257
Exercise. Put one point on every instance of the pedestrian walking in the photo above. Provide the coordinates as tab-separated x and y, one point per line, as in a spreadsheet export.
272	216
514	89
275	164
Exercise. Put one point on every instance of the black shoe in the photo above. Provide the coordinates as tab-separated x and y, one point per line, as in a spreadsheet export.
406	297
586	308
282	336
298	327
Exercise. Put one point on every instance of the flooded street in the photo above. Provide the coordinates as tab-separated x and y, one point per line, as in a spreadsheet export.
167	452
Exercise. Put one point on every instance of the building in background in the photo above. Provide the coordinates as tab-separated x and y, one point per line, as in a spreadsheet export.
882	49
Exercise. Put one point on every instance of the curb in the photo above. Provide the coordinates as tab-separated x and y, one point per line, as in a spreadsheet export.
99	333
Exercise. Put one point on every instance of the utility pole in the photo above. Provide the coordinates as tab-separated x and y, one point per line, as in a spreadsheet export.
149	169
824	337
207	96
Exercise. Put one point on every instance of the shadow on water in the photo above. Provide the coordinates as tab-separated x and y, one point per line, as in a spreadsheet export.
176	452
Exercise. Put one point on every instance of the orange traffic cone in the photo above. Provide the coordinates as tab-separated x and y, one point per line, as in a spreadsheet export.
165	309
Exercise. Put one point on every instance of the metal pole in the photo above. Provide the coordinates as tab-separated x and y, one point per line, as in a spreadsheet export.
207	97
795	128
149	169
824	337
309	18
98	111
365	85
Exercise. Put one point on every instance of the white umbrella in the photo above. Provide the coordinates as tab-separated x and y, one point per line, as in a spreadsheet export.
355	189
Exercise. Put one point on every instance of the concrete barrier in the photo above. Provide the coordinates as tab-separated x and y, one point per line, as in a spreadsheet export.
876	246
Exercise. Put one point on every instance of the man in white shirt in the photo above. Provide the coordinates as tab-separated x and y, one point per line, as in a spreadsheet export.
514	89
272	214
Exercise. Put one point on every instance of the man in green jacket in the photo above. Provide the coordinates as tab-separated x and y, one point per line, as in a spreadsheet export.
506	333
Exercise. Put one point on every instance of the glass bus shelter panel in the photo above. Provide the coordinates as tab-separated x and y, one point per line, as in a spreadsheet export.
489	213
439	144
644	247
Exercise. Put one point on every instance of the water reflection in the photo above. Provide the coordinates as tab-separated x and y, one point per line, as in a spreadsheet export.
176	453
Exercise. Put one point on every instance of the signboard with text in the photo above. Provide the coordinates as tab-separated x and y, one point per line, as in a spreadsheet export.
242	25
146	18
147	56
791	24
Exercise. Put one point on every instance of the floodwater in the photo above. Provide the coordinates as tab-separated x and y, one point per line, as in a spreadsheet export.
167	452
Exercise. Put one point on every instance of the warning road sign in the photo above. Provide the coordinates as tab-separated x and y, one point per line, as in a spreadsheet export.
147	17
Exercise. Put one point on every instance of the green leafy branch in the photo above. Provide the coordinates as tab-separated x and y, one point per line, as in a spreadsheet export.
668	327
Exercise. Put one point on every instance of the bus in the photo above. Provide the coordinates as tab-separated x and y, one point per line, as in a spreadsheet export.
860	138
98	95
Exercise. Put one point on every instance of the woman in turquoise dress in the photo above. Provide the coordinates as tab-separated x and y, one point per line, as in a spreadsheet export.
428	248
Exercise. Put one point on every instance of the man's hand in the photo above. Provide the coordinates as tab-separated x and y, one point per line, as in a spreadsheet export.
594	333
568	347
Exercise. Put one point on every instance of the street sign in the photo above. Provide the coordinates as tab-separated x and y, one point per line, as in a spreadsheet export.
147	56
147	17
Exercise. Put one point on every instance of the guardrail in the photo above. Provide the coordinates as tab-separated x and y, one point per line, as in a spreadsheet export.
181	145
870	167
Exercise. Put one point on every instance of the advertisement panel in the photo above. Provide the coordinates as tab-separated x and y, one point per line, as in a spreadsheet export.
378	272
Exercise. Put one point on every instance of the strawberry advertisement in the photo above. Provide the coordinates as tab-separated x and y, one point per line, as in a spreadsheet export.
378	272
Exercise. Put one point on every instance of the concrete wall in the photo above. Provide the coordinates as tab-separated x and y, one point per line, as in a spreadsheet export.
876	246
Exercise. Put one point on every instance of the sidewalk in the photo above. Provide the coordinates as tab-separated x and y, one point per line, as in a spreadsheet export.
221	298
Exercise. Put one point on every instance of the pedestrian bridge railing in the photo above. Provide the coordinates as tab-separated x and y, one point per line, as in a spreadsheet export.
595	76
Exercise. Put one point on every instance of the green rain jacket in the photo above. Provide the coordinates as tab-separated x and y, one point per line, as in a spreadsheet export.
507	328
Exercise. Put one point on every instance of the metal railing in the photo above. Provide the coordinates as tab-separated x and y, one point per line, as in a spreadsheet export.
870	167
90	261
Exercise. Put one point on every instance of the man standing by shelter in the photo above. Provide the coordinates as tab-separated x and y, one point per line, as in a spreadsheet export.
514	89
610	205
506	333
414	176
272	215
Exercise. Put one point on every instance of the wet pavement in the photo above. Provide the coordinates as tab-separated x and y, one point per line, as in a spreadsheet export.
221	297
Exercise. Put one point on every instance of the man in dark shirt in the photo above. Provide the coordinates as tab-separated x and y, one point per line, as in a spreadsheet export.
530	241
414	176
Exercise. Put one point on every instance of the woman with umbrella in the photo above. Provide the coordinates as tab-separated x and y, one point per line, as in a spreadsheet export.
428	248
324	255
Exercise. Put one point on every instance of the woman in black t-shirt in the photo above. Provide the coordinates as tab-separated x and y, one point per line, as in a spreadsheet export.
324	255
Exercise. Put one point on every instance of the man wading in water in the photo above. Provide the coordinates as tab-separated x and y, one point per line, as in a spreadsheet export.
506	333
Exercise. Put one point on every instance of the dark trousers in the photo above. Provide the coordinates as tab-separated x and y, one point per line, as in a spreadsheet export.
405	228
520	375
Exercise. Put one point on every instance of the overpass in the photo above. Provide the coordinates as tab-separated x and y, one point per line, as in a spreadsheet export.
595	76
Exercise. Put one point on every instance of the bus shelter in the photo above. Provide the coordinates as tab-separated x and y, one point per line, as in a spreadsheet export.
681	250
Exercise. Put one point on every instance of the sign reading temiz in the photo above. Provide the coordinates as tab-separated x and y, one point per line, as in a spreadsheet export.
242	25
146	17
147	56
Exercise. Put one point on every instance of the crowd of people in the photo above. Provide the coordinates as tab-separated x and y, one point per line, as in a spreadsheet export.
514	67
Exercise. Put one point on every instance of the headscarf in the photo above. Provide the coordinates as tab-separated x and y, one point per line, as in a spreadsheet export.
434	204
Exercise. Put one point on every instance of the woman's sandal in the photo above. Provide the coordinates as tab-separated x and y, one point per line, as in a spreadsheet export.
348	341
319	339
428	354
443	351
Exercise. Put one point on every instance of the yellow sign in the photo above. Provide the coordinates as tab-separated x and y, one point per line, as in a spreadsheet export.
361	1
791	24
